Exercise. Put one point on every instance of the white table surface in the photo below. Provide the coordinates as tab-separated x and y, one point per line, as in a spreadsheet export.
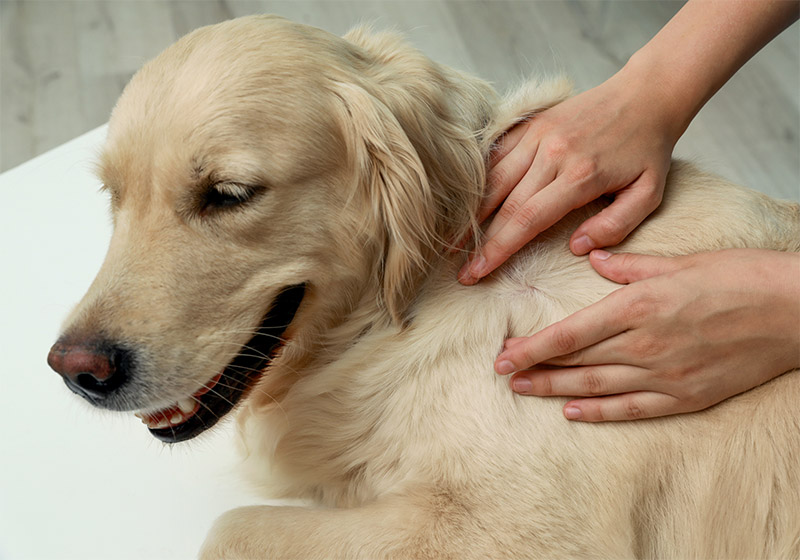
77	482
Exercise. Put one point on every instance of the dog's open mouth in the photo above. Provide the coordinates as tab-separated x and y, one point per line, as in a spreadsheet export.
194	414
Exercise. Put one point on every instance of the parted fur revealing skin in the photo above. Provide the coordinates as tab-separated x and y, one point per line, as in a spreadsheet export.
383	407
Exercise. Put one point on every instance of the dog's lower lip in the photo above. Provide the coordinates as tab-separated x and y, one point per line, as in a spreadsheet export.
178	412
222	392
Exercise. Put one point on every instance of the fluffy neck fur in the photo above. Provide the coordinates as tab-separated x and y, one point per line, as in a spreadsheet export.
419	136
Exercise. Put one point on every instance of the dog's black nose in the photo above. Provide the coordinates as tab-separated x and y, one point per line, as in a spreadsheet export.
93	371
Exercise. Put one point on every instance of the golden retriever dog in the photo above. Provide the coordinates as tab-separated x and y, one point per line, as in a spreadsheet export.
283	201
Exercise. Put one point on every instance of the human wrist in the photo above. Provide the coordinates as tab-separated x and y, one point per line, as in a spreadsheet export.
670	103
700	48
787	286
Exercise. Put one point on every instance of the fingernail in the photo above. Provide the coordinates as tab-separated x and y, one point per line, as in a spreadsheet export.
521	385
583	245
477	267
573	413
601	254
464	276
504	367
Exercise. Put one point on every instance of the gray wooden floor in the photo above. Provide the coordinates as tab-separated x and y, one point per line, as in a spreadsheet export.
64	62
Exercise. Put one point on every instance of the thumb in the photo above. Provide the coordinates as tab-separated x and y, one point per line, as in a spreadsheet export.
625	268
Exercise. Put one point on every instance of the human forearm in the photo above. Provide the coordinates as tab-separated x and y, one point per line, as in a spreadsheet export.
618	138
699	50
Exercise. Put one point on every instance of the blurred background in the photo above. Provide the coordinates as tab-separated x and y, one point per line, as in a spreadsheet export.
63	63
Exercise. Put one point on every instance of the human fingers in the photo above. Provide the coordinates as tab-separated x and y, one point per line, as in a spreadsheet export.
538	176
501	181
507	169
629	347
625	268
538	213
580	330
630	207
507	142
586	381
513	341
627	406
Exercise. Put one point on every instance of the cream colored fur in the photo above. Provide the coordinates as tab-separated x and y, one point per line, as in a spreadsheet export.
383	407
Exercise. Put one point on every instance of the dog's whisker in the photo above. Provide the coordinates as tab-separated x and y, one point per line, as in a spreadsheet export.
274	400
259	353
272	336
208	408
225	385
221	396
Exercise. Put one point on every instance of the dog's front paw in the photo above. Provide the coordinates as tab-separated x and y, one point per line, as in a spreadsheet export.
235	535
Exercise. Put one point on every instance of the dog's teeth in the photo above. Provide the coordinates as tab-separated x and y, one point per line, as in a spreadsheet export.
186	405
138	415
176	418
161	424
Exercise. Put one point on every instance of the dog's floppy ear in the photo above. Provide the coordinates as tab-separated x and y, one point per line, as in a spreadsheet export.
396	186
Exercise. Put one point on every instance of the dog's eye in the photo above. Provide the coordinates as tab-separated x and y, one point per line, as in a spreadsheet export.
226	195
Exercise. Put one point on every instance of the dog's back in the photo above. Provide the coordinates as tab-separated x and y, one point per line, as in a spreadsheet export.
420	412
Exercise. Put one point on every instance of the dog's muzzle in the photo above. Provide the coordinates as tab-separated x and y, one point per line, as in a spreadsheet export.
99	370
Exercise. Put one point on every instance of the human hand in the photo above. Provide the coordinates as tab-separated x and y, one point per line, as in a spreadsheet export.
614	139
684	334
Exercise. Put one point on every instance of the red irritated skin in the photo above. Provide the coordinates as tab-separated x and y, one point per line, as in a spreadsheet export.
684	334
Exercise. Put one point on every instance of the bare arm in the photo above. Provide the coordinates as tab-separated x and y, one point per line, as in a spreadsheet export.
703	46
618	138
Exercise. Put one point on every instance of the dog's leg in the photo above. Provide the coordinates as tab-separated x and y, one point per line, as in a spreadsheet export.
421	525
435	523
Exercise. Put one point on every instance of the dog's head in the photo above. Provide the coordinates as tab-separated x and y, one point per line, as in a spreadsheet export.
266	180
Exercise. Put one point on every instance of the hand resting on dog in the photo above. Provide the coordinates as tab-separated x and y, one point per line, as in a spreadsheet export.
670	341
618	139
